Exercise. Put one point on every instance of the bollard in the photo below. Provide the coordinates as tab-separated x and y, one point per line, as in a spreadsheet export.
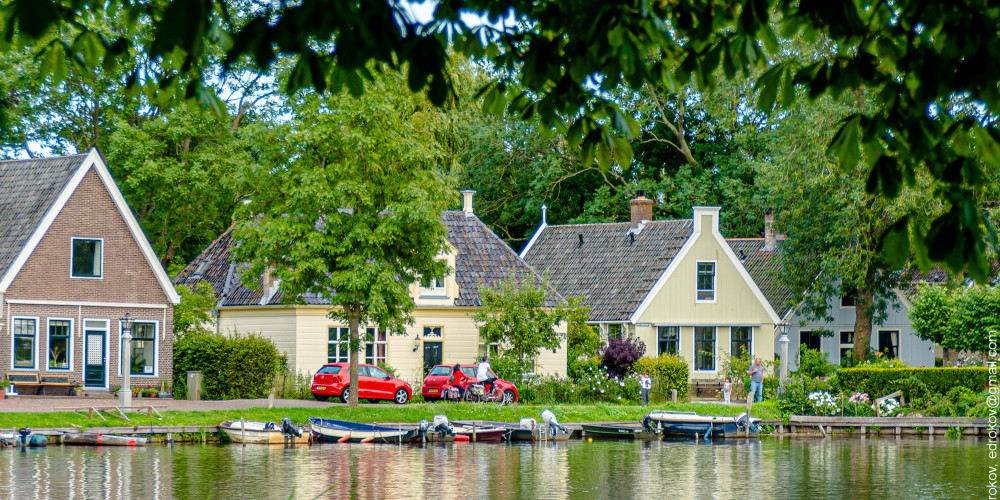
270	401
673	396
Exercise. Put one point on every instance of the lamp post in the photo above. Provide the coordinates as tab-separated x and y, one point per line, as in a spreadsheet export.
783	341
125	394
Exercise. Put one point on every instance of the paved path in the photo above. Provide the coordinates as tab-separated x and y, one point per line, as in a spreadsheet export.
34	404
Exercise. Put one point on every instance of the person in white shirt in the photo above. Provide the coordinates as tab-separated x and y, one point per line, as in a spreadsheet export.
484	376
645	383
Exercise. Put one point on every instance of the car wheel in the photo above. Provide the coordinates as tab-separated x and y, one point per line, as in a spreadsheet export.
320	397
508	397
401	397
344	396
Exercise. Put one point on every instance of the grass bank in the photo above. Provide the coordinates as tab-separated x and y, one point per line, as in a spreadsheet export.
387	413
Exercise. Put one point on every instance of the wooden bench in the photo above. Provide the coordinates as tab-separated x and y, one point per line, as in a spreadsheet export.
25	383
55	384
711	387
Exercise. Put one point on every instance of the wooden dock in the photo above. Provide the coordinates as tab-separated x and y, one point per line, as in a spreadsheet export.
928	426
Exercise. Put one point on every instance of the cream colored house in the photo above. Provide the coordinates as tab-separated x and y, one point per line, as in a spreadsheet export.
442	329
677	285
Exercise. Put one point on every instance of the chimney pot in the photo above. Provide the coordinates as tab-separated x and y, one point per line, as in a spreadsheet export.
545	213
467	202
641	209
770	236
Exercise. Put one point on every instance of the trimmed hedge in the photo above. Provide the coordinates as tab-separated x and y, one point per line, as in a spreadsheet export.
236	367
668	372
878	382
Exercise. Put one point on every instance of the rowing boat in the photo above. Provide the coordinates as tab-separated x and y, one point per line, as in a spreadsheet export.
343	431
252	432
676	423
617	431
90	439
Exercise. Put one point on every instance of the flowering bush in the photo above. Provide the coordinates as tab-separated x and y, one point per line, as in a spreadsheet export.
593	387
887	407
859	400
823	403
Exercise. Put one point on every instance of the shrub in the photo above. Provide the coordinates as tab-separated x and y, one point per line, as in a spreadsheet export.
667	372
582	365
233	367
880	381
813	364
619	355
596	387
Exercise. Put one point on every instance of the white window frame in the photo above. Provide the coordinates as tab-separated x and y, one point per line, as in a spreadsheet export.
48	344
343	346
715	350
34	346
878	339
438	289
156	349
432	338
715	282
106	328
841	345
71	275
607	331
375	343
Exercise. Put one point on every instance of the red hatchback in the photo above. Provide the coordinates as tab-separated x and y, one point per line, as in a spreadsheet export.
439	375
373	383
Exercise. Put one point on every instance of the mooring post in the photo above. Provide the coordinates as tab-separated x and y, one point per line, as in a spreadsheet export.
673	396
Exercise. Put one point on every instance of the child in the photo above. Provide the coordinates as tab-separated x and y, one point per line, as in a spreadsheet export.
726	389
645	383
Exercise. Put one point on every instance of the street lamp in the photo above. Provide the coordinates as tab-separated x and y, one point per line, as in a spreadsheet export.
125	394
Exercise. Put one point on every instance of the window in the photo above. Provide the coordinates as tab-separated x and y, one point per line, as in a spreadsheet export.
432	332
740	338
87	258
888	343
706	281
846	344
433	289
59	332
377	372
809	340
848	297
668	338
614	331
25	330
332	370
375	345
704	348
338	348
143	347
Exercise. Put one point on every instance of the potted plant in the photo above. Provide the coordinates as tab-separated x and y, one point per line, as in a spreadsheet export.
4	384
115	389
149	391
136	392
79	392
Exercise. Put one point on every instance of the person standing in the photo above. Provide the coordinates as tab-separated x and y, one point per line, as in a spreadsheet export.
756	373
727	390
645	383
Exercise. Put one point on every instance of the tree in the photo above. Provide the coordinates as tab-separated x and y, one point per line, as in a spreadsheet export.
353	217
555	61
957	319
520	314
195	309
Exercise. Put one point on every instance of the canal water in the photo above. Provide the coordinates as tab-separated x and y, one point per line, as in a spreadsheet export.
745	469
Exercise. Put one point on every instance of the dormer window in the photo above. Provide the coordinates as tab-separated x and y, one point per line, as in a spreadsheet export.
706	282
88	258
435	288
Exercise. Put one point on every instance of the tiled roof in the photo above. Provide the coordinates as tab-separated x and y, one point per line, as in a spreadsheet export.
604	265
27	190
482	259
765	268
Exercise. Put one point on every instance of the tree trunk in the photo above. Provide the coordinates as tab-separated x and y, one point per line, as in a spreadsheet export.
862	324
353	315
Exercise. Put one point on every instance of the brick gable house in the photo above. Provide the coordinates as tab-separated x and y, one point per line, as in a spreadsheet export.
73	261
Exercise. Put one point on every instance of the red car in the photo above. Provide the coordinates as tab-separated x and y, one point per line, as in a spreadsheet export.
373	383
438	378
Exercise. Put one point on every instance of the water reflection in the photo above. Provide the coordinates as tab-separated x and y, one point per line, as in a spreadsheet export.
767	468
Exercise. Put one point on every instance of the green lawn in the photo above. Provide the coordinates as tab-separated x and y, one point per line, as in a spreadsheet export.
413	412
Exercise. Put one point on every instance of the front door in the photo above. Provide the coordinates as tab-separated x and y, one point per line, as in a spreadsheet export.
94	372
432	355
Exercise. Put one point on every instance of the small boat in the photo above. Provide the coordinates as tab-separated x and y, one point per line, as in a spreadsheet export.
24	439
479	433
90	439
618	431
438	431
529	430
253	432
343	431
687	424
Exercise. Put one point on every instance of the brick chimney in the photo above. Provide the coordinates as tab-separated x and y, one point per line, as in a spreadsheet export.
642	208
771	236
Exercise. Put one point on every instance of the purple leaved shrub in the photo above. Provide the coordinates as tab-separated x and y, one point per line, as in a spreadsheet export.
618	355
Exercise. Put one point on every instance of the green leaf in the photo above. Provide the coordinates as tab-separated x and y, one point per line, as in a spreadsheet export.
895	243
845	143
885	178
